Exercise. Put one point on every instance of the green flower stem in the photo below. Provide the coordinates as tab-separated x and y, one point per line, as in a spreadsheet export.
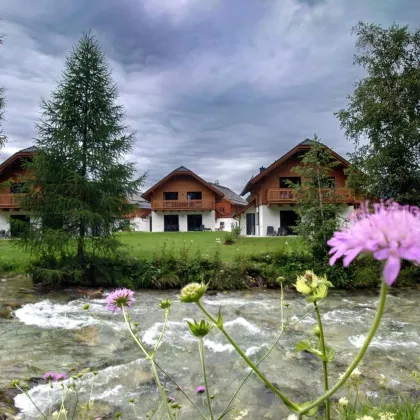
286	401
152	363
163	396
359	356
161	333
31	400
181	390
324	361
108	325
203	365
136	340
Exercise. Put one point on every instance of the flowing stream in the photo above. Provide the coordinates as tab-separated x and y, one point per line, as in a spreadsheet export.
52	332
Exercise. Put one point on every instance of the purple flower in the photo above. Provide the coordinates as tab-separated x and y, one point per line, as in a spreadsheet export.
390	233
200	389
119	298
54	376
171	399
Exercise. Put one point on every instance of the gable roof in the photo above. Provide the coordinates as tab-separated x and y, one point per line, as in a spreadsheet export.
185	171
230	195
304	145
24	153
251	203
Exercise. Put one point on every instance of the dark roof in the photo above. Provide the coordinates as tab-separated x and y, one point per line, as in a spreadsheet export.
230	195
306	142
140	202
29	149
182	169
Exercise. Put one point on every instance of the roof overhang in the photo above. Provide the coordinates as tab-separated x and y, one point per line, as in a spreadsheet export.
288	155
253	202
16	156
148	194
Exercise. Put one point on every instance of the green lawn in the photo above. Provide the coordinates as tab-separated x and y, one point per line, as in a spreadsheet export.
145	245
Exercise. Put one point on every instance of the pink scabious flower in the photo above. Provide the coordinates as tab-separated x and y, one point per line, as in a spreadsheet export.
390	233
119	298
200	389
54	376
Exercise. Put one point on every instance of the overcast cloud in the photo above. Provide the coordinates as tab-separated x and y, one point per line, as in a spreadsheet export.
219	86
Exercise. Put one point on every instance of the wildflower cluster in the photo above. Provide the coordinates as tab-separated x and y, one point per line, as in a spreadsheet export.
54	376
390	233
312	286
193	292
119	298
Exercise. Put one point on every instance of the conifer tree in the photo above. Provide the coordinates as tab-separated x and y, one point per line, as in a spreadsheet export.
78	184
317	203
2	106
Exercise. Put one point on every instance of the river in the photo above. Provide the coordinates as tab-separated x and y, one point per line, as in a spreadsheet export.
52	332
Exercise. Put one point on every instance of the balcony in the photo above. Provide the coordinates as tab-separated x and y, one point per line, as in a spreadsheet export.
10	201
288	195
176	205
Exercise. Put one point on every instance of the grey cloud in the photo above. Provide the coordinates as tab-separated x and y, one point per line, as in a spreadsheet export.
221	86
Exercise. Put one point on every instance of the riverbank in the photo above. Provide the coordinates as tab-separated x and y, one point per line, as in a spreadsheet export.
165	261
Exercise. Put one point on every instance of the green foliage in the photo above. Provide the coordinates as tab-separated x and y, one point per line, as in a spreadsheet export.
316	201
384	108
79	183
229	238
236	231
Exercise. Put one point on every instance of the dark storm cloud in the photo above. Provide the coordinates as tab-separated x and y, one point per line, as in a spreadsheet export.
221	87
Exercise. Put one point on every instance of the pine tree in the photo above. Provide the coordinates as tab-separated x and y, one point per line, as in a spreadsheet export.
317	204
78	184
2	106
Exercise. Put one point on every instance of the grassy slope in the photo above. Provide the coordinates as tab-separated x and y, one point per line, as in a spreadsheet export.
145	245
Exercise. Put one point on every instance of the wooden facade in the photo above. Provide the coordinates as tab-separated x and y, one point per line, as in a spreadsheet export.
12	172
266	188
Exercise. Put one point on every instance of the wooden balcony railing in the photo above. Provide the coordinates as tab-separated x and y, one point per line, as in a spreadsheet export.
183	205
10	201
288	195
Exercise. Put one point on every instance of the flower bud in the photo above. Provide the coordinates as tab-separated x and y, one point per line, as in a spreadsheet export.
86	307
316	330
165	304
192	292
200	329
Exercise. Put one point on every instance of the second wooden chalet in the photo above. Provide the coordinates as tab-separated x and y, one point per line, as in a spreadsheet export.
182	201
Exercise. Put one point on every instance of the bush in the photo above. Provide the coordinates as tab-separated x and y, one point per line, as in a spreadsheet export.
229	239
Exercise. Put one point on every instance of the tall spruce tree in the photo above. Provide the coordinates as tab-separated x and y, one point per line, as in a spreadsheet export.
2	106
78	183
384	109
317	203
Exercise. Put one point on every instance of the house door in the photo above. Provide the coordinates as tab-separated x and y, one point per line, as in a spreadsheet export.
194	222
18	224
250	223
171	223
288	219
150	224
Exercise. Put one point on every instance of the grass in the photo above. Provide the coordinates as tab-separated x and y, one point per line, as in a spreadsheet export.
145	245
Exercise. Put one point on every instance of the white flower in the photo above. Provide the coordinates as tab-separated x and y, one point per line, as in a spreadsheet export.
292	417
386	416
343	402
365	418
356	373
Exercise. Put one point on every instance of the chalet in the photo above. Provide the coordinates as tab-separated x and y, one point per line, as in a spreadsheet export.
11	171
182	201
271	200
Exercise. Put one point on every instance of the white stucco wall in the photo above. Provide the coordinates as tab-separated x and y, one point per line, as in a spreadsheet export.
141	225
346	214
251	209
4	218
228	221
158	221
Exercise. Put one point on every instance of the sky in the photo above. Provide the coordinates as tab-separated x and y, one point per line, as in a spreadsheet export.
219	86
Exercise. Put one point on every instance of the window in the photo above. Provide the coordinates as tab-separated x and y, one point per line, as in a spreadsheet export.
331	182
17	187
221	209
222	225
285	181
195	195
170	196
